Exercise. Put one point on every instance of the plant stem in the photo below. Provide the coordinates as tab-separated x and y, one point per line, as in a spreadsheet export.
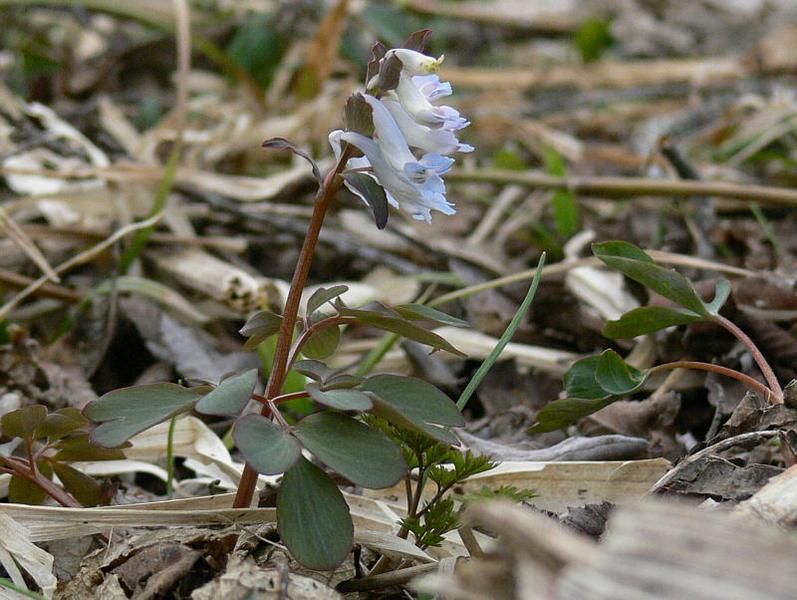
762	363
279	370
733	374
22	468
312	330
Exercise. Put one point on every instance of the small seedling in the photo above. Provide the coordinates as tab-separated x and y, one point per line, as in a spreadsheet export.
596	381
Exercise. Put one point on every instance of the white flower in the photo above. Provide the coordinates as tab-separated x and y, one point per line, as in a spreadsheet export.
417	195
431	86
415	63
423	111
420	136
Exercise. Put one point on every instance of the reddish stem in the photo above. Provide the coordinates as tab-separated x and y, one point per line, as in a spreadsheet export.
22	468
312	330
701	366
279	368
762	363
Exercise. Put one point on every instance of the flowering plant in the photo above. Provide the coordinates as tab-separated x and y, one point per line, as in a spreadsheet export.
393	151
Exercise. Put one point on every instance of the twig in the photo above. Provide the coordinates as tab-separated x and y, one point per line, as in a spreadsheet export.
623	187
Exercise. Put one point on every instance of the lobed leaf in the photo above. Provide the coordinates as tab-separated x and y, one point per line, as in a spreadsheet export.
415	404
266	446
342	399
230	396
635	264
127	411
323	295
61	423
314	369
259	327
647	319
363	455
616	376
23	422
313	518
322	343
78	448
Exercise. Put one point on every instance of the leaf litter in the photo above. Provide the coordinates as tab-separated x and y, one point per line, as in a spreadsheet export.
573	113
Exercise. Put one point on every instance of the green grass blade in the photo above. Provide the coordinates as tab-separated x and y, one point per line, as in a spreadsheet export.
481	372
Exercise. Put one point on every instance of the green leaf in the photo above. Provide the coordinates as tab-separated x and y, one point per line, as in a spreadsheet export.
373	194
635	264
647	319
313	518
230	397
314	369
84	488
412	403
342	399
78	448
342	381
721	293
266	446
580	381
561	413
421	312
322	343
128	411
259	327
564	203
256	46
323	295
23	491
61	423
23	422
384	320
363	455
616	376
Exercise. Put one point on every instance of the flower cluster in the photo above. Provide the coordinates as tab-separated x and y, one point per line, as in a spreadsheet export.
412	136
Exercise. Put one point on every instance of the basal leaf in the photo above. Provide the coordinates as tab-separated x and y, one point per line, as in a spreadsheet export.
342	399
561	413
24	421
23	491
313	518
259	327
616	376
421	312
128	411
721	293
373	194
647	319
363	455
230	396
410	402
580	380
635	264
322	343
266	446
323	295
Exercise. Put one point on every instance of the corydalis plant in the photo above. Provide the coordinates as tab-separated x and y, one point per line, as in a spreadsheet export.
596	381
400	165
